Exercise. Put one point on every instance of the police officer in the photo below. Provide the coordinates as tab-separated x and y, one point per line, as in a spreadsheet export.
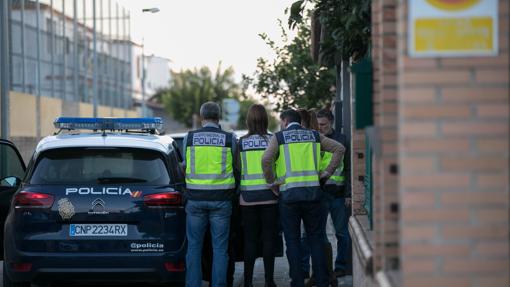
337	193
259	204
337	199
295	151
210	184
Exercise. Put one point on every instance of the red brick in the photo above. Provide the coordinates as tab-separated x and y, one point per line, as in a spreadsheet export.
436	77
435	181
418	129
475	128
475	265
493	145
428	281
472	198
493	180
418	233
492	76
493	215
475	94
492	249
419	266
418	164
435	215
474	232
474	62
433	250
418	95
436	145
473	164
418	199
494	280
435	111
417	63
493	111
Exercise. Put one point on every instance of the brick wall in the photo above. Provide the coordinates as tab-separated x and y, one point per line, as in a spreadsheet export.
453	144
385	198
357	171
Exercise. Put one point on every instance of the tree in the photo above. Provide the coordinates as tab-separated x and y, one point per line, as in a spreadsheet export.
191	88
346	26
293	79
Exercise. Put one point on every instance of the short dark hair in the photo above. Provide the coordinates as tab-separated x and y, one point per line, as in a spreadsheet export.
290	115
325	113
210	111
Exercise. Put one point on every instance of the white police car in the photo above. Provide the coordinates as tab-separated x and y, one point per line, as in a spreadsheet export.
105	204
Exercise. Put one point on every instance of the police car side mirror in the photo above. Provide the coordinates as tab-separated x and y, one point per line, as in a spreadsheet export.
10	181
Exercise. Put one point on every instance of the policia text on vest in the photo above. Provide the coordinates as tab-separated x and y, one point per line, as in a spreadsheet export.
253	184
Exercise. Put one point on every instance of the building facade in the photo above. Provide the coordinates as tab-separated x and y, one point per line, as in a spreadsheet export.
437	161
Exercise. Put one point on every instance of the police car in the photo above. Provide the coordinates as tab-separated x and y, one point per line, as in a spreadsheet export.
99	205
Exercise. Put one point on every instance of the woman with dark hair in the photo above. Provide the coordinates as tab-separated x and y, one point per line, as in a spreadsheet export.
305	118
258	202
308	119
314	124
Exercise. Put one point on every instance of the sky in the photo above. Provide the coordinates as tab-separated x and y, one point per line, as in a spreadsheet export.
194	33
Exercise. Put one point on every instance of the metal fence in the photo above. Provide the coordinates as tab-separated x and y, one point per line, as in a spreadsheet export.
52	50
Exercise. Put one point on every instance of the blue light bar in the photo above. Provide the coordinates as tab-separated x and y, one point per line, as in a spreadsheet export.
102	124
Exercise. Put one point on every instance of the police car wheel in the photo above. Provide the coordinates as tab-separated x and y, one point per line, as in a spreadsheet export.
9	283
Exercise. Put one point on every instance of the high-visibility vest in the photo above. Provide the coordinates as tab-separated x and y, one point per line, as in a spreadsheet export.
337	178
297	166
209	160
253	184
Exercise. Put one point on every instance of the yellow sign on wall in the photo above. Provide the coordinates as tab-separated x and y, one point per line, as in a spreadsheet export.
453	28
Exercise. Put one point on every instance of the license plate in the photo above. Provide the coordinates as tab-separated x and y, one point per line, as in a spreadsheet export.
76	230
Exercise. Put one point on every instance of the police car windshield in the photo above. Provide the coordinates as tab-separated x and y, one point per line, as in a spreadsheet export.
100	166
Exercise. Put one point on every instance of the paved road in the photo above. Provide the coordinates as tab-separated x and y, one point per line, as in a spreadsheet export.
281	272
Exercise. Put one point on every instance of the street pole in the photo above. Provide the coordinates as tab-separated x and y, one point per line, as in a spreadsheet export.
52	52
94	61
85	56
144	105
143	78
110	59
75	48
64	53
38	99
125	68
4	68
24	62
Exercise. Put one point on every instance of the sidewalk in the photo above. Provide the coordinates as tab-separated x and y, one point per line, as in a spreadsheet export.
282	268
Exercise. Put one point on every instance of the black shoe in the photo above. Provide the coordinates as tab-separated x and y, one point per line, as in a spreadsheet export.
342	273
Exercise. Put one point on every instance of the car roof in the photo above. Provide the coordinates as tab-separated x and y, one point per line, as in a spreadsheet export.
161	143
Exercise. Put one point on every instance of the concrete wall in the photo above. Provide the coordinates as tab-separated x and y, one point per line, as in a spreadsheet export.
26	130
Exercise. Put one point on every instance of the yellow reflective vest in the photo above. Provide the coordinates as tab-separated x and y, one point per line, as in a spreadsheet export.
209	164
253	184
297	165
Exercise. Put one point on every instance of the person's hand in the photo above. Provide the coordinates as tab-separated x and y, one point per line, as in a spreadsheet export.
324	175
347	201
275	188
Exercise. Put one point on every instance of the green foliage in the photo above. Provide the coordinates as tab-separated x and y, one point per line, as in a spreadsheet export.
293	79
191	88
346	22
